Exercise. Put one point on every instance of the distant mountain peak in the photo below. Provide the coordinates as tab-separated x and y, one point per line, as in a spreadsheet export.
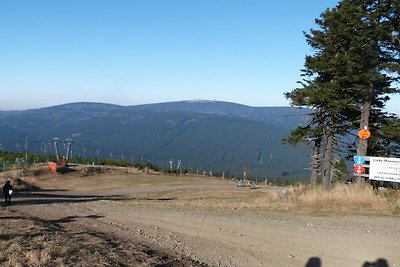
199	100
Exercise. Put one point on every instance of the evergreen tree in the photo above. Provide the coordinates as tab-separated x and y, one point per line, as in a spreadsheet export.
348	77
386	141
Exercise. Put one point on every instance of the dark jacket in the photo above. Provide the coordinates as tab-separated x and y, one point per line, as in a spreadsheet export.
7	187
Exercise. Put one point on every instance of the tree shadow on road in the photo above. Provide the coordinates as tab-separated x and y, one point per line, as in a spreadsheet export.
48	225
45	197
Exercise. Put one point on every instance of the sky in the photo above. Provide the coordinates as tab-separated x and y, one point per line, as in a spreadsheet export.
130	52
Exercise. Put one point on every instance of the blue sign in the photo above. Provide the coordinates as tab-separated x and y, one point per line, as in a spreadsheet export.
359	160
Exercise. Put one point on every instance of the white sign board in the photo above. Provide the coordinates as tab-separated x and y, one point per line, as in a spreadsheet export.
384	169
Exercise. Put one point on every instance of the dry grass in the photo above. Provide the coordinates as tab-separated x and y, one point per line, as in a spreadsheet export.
348	199
341	199
31	242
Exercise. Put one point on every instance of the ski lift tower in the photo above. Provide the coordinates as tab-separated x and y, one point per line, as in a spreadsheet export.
69	151
178	168
56	141
61	164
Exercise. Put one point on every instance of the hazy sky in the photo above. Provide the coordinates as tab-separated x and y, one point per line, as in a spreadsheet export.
131	52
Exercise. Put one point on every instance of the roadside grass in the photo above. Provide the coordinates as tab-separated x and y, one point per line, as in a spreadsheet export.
341	199
351	199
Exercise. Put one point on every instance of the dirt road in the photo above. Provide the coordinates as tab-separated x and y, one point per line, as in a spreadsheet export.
219	237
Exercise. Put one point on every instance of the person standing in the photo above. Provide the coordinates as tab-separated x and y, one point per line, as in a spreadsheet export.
7	190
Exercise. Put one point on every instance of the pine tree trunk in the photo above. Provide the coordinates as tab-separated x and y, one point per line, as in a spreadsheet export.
327	164
363	143
315	162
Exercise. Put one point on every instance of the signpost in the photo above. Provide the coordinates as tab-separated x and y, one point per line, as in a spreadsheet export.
359	160
384	169
359	169
379	168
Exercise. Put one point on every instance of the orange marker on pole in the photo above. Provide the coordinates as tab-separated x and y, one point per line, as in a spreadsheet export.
364	133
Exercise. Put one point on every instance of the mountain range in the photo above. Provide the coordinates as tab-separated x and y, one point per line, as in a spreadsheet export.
203	135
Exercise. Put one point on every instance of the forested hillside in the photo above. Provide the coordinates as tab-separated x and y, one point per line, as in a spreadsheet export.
204	135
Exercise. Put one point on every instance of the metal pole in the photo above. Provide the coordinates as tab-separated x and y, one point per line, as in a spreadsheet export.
56	148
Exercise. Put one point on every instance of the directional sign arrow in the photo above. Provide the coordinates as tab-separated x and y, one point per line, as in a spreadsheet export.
359	169
359	160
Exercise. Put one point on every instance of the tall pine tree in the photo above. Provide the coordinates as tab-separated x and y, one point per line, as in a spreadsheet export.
355	62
